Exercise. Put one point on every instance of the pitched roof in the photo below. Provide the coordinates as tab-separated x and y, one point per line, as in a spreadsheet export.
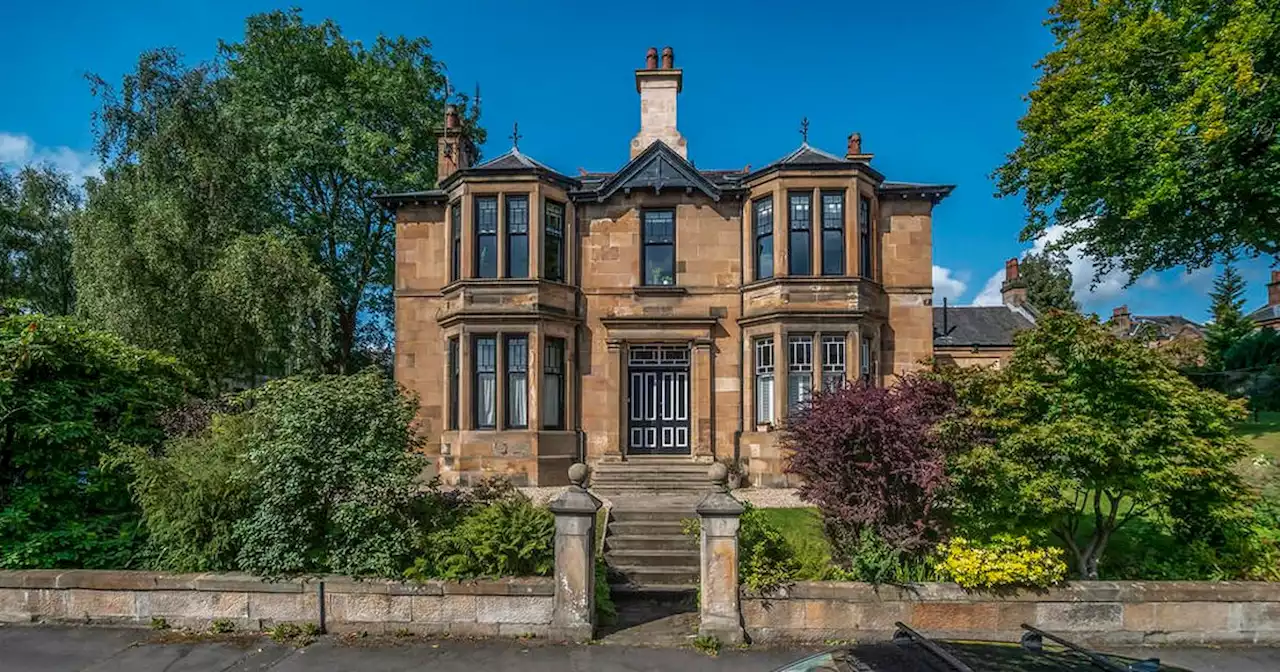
512	160
658	167
807	154
978	325
1265	314
1167	325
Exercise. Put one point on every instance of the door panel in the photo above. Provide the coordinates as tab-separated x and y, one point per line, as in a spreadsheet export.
658	401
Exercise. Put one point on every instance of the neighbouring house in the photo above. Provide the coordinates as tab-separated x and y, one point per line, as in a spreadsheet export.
983	335
657	311
1156	330
1269	315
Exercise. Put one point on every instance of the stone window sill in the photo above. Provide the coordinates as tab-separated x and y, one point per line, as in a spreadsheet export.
659	290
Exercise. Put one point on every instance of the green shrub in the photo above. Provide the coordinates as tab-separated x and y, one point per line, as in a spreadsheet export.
507	537
871	559
1004	562
766	560
193	492
606	609
68	395
335	477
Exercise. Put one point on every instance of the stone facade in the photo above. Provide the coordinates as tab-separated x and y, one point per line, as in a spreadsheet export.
1095	613
544	319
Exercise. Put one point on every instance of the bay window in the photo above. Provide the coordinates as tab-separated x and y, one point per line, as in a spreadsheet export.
553	384
800	223
833	234
864	236
517	391
455	235
764	381
762	224
517	236
799	371
454	402
486	236
485	382
833	372
553	241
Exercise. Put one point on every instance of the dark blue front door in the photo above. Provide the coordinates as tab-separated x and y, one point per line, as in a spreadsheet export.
658	400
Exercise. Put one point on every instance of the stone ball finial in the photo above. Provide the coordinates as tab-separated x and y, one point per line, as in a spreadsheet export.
578	474
718	473
651	59
668	58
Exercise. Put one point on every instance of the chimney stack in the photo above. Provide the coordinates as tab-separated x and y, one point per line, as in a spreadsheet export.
454	151
853	149
1013	292
658	88
1120	318
1273	289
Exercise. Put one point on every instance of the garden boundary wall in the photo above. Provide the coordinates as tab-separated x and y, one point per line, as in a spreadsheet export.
504	607
1095	613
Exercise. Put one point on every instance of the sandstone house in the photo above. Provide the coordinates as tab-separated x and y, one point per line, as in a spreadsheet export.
658	311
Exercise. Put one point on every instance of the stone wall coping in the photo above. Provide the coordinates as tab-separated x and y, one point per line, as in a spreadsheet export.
1073	591
93	579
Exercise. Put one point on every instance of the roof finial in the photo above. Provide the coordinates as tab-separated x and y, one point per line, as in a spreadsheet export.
804	129
515	135
448	89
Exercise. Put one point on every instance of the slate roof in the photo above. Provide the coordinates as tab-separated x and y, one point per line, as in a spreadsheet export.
1265	314
658	167
968	326
807	154
512	160
1168	325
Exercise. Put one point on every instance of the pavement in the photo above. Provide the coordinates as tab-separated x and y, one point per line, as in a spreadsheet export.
68	649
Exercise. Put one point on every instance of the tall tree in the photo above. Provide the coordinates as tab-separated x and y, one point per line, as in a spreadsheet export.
182	249
37	205
1047	275
1152	134
335	122
1230	325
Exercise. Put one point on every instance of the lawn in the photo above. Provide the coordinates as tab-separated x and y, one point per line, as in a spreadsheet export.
1263	435
802	528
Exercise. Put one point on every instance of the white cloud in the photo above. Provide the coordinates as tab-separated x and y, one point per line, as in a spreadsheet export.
946	285
1109	287
18	150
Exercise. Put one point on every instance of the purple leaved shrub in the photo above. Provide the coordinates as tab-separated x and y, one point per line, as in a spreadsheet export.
873	460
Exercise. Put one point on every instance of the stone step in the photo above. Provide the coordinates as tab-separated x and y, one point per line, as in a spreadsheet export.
685	558
650	477
659	591
629	515
691	470
647	527
651	542
658	576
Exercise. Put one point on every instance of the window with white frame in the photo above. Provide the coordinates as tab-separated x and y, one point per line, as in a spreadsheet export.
833	371
517	382
764	381
865	357
799	371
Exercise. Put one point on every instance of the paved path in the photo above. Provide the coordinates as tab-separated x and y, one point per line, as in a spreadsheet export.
49	649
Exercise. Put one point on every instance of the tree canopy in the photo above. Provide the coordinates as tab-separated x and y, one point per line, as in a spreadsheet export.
1151	133
1230	325
1047	276
37	206
1082	432
234	224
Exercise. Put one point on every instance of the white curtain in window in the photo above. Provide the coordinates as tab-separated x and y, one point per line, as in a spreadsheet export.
764	399
487	401
551	400
519	409
799	385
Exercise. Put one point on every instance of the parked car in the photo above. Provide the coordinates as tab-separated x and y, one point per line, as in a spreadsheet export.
911	651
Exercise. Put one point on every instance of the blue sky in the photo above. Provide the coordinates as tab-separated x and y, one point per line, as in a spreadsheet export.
934	86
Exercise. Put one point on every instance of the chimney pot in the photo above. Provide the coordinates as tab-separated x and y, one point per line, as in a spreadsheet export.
1275	276
1011	270
855	144
1273	289
651	59
668	59
451	117
1119	311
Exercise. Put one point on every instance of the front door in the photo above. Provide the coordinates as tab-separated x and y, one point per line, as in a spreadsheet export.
658	400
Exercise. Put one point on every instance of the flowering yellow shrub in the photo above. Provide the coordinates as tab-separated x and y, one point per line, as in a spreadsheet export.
1005	561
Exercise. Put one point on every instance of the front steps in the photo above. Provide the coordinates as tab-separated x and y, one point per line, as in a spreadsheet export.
645	548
